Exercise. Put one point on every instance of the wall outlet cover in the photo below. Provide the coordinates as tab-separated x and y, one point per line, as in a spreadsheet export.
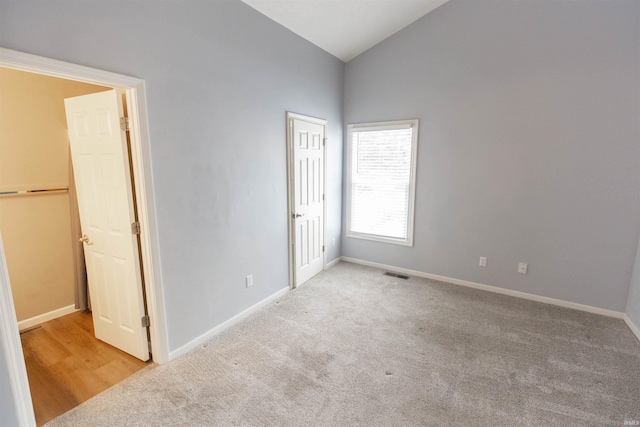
522	267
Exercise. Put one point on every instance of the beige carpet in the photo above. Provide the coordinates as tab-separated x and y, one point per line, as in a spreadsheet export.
355	348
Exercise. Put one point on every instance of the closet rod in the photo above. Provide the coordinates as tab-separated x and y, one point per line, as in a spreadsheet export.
34	192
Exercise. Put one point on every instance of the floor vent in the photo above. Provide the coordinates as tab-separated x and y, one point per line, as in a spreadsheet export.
399	276
35	328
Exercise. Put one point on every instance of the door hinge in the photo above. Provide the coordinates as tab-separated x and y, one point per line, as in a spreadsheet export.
323	197
124	123
324	141
322	248
135	227
145	321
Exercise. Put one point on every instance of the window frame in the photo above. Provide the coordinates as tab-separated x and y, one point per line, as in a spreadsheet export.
379	126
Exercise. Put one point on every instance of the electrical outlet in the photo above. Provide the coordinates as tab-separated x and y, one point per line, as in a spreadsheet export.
249	280
522	268
483	261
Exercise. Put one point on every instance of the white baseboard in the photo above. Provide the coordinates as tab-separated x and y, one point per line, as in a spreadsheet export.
33	321
332	263
632	326
494	289
227	324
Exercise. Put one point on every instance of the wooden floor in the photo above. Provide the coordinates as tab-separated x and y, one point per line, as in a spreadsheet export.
67	365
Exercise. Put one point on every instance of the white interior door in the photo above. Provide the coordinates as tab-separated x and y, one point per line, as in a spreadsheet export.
101	168
307	139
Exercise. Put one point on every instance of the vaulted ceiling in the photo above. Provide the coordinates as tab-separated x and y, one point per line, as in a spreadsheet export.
345	28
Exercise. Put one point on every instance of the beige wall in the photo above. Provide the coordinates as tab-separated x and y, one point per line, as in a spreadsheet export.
36	229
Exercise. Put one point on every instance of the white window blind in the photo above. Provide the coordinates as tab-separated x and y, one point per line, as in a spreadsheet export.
381	181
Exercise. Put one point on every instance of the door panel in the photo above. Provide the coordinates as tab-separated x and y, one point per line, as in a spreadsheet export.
105	202
303	187
308	206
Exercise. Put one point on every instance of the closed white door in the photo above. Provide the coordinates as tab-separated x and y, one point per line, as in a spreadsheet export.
307	139
105	201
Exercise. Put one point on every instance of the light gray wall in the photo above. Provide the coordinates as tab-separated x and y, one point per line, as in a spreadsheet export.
8	417
633	302
529	145
219	77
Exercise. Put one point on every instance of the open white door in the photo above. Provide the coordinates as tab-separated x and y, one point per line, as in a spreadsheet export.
105	201
307	139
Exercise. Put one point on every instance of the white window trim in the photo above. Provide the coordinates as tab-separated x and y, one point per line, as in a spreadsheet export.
399	124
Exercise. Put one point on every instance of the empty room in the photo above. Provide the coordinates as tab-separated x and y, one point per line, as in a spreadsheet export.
376	212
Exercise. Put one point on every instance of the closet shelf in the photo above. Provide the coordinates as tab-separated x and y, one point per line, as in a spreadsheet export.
34	192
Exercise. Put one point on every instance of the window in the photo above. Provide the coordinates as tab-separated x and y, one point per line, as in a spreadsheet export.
381	181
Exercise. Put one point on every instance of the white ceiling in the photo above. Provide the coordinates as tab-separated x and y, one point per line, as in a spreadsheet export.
345	28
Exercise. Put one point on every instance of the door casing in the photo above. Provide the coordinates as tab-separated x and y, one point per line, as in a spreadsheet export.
134	90
291	191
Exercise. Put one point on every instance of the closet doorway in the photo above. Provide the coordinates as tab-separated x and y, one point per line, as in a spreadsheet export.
133	90
39	222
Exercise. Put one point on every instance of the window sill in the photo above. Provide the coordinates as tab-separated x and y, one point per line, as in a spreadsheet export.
380	239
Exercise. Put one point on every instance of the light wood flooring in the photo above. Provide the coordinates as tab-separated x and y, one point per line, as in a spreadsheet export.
67	365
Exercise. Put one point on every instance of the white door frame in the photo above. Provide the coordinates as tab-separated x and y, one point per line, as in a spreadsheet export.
142	175
13	349
291	191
